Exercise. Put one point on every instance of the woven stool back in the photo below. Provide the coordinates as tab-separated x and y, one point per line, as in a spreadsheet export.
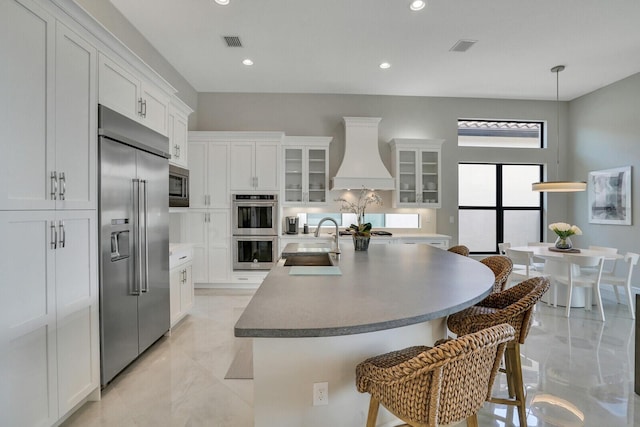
441	385
501	267
460	250
513	306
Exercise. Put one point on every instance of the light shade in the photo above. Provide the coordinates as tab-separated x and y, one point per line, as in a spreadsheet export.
559	186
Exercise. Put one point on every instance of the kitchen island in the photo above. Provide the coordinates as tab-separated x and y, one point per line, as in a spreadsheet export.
316	328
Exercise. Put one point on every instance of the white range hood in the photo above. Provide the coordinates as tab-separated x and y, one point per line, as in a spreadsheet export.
361	165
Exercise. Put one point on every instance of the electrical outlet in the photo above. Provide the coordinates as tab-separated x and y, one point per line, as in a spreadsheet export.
320	394
452	220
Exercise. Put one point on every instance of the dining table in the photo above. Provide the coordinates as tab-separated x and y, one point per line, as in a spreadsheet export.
555	264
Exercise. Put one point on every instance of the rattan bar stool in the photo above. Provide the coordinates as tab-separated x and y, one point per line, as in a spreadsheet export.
515	307
501	267
460	250
429	386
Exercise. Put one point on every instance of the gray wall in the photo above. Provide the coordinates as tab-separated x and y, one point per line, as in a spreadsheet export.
605	134
105	13
402	117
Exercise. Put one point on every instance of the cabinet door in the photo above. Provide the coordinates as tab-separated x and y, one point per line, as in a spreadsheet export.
77	307
198	174
119	89
186	290
75	121
218	179
266	166
219	265
294	183
177	131
430	177
155	105
175	288
195	231
219	241
408	177
317	176
28	362
26	83
242	166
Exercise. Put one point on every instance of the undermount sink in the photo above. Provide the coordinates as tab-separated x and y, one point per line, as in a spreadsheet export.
319	260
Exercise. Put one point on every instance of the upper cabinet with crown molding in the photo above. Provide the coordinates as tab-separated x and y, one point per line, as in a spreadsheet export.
417	168
125	91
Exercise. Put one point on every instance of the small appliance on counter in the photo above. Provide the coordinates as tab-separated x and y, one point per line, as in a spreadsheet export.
291	224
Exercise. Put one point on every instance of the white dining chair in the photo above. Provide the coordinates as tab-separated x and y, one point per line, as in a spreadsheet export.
502	247
624	282
573	279
538	263
609	266
524	261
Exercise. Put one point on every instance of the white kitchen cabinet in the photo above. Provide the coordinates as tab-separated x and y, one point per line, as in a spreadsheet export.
209	233
208	172
417	169
48	130
253	165
181	284
124	91
48	314
177	128
305	170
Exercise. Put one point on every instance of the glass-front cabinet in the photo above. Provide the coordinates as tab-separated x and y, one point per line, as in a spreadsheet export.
306	170
416	167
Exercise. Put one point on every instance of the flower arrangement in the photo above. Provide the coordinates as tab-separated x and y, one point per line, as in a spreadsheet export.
365	198
564	230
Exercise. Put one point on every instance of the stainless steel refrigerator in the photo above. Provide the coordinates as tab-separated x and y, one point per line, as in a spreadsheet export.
134	240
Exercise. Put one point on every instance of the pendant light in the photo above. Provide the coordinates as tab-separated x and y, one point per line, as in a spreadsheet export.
558	186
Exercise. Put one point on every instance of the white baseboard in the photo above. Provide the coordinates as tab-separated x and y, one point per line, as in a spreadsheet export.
226	285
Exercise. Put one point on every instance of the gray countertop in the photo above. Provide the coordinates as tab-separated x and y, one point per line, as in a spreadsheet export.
388	286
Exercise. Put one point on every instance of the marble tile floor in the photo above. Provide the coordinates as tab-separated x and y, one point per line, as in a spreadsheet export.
577	371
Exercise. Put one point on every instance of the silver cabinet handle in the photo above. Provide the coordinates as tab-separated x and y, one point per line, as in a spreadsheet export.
140	107
63	235
144	106
54	236
54	185
178	151
63	186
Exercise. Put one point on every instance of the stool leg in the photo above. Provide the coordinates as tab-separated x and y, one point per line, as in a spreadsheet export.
374	404
508	368
472	421
518	383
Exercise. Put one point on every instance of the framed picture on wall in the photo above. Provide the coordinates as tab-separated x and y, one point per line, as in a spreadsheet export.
610	196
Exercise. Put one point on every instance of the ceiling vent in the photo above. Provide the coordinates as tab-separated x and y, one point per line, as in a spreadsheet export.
232	41
462	45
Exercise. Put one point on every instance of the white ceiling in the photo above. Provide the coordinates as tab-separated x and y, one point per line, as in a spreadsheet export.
335	46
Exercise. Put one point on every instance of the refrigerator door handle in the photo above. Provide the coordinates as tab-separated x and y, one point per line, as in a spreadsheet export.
145	213
137	267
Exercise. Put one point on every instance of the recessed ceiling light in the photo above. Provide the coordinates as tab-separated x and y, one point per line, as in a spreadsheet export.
222	2
247	62
385	65
417	5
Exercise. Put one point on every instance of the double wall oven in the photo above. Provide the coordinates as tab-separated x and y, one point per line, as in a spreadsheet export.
255	231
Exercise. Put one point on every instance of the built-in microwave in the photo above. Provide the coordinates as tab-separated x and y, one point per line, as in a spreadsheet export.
178	187
255	215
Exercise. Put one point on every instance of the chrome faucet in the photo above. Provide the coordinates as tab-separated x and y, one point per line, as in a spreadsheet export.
336	237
